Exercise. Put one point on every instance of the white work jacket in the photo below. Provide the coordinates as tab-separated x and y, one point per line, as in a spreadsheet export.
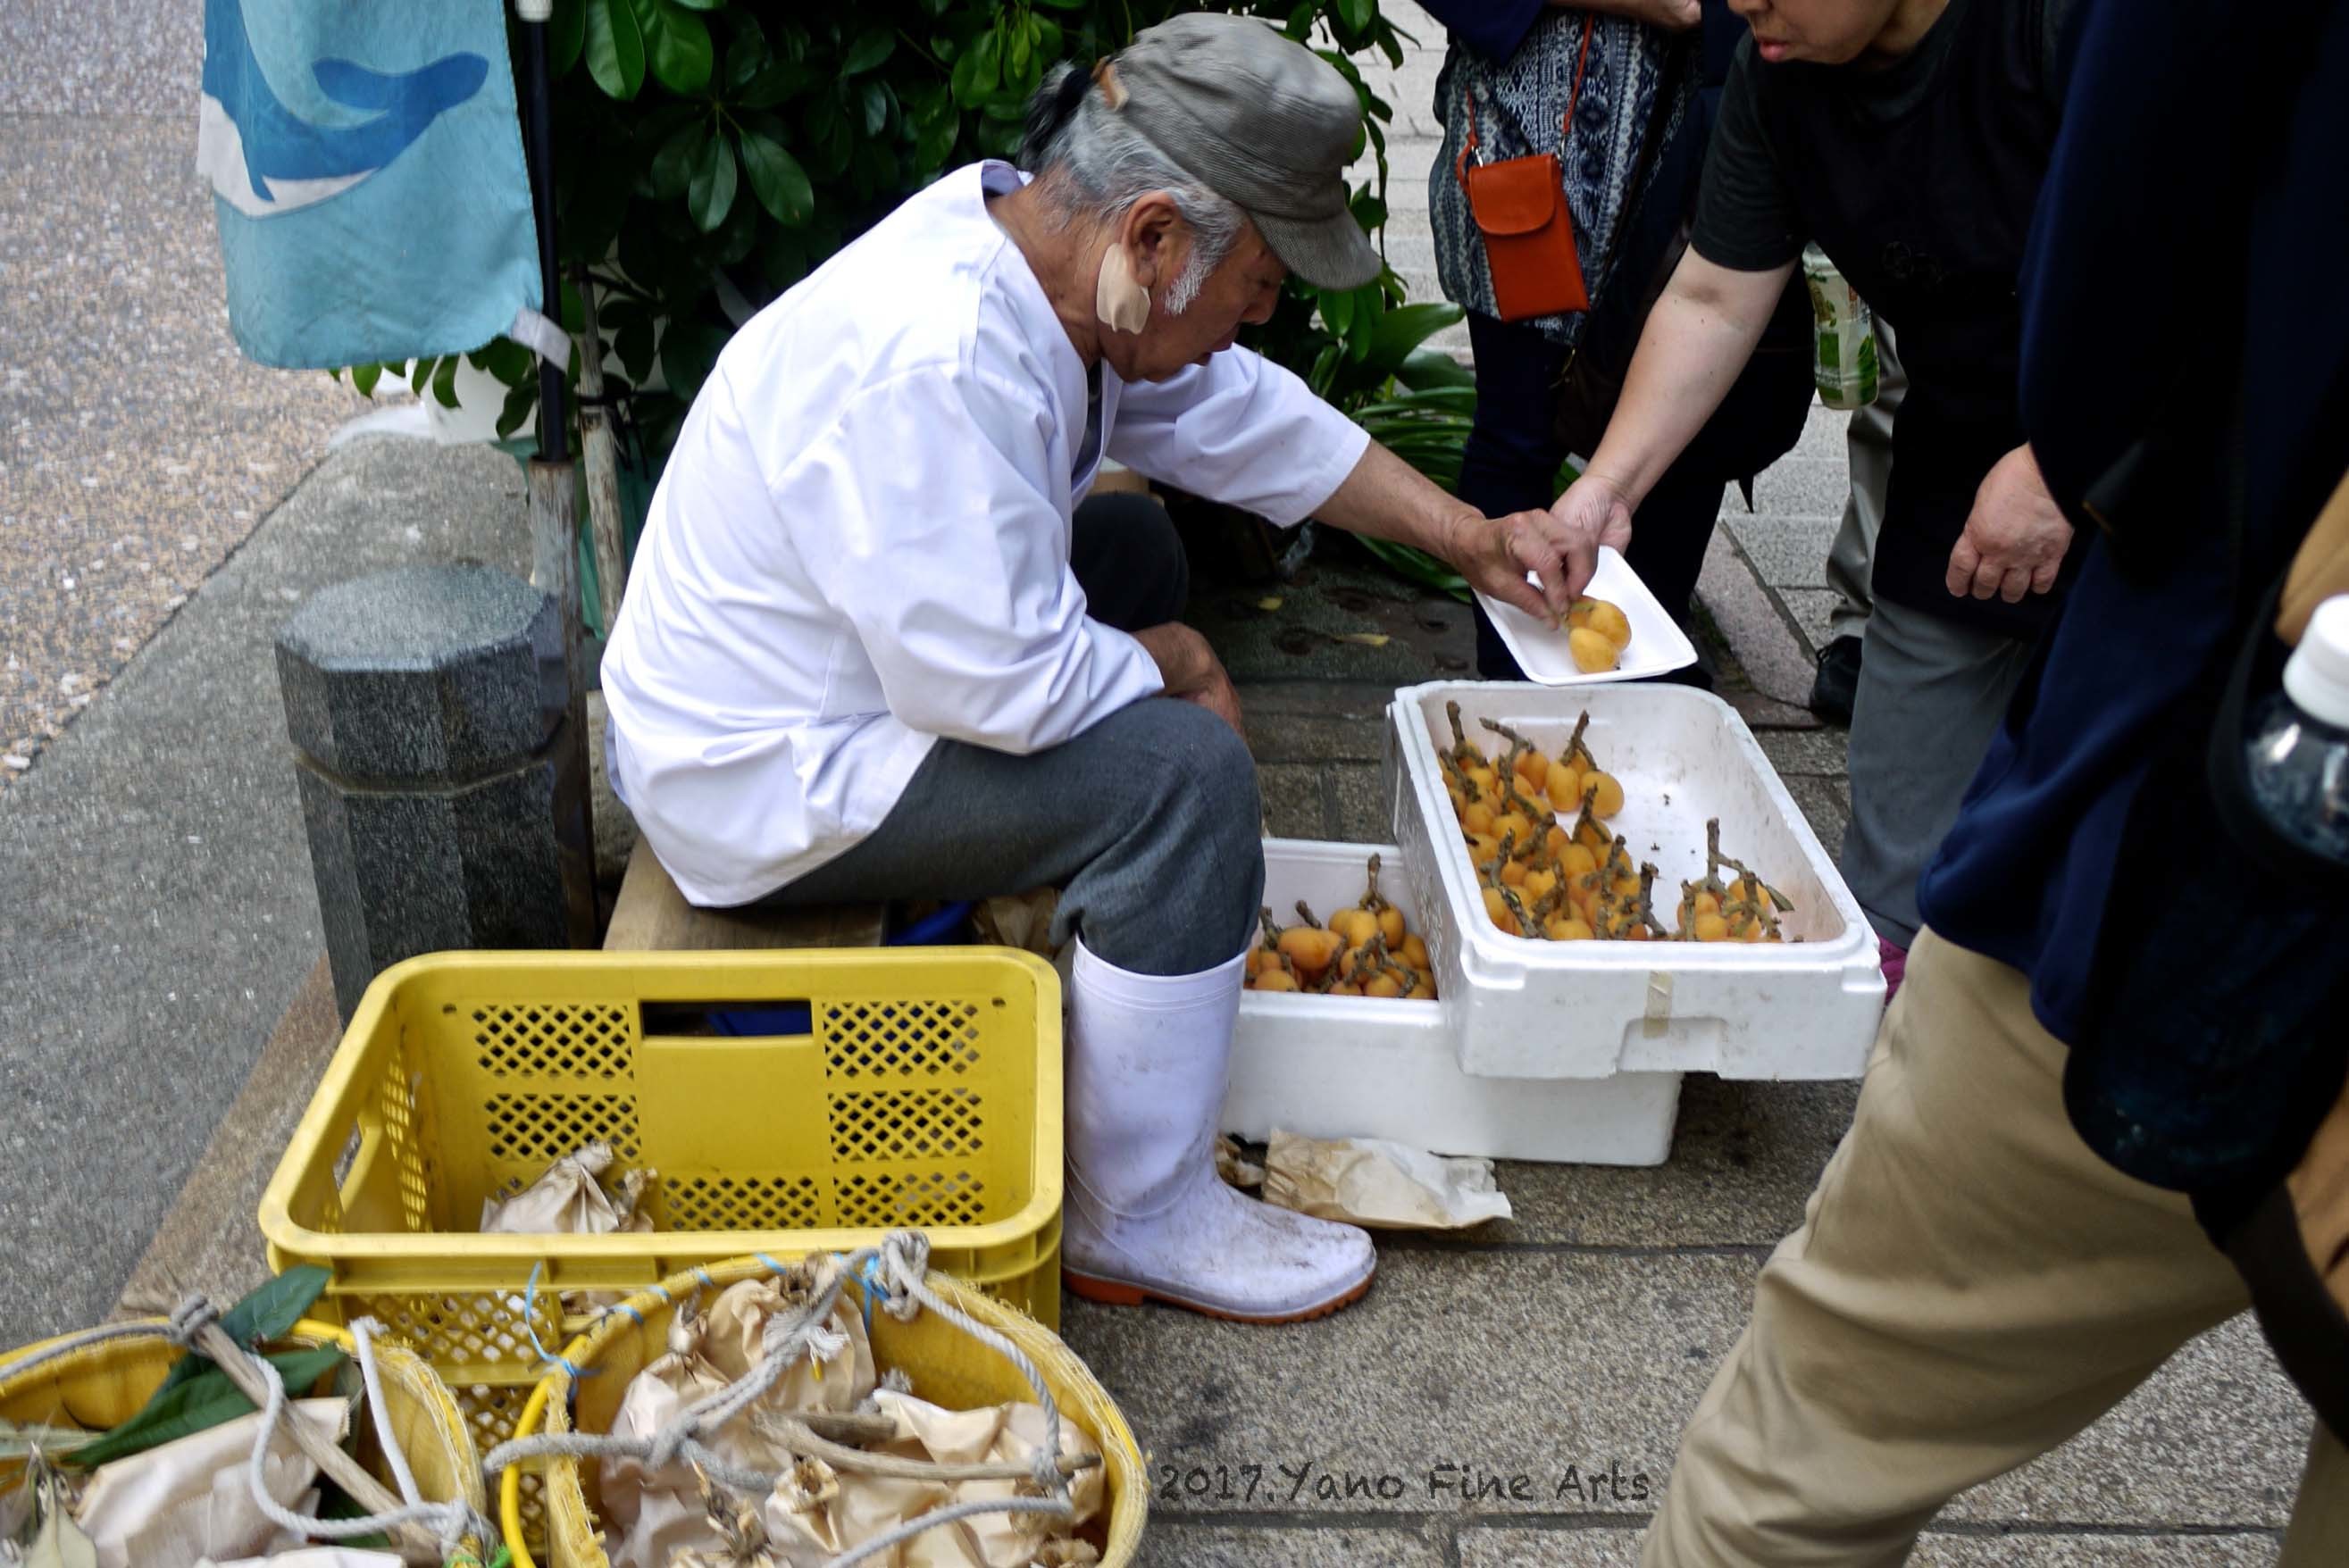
861	543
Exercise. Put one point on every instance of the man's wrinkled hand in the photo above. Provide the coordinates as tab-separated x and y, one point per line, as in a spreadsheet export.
2016	536
1495	554
1191	671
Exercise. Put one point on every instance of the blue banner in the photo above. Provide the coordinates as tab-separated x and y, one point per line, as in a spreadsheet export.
367	166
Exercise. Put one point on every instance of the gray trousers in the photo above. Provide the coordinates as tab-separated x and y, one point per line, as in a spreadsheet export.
1148	823
1931	694
1868	443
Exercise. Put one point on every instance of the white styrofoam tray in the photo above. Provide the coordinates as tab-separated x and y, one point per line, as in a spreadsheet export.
1658	644
1352	1066
1523	1008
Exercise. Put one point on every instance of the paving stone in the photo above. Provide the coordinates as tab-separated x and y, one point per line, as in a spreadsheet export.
1170	1544
1616	1548
1522	1362
1797	486
1294	807
1936	1550
1786	552
1587	1547
1359	793
1313	738
1814	611
1791	751
1499	1362
1768	652
1826	805
1744	1158
2217	1437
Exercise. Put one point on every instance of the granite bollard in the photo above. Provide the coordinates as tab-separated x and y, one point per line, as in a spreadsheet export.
426	706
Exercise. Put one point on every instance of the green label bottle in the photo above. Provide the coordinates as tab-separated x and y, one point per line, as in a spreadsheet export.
1843	332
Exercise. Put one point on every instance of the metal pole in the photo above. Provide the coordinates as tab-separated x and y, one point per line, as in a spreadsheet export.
538	116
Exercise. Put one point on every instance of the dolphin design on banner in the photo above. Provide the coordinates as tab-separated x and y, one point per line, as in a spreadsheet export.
264	159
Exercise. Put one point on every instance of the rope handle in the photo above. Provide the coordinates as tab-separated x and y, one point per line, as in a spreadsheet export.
194	1328
1565	125
896	1270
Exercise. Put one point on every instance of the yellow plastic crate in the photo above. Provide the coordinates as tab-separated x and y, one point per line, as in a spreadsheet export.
926	1094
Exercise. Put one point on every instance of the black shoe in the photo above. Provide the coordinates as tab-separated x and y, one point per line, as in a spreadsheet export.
1838	681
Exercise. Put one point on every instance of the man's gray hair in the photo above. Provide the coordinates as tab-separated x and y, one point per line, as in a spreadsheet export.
1089	163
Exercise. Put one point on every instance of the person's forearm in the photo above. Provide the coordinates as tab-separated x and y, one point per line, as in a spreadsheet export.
1386	497
1697	340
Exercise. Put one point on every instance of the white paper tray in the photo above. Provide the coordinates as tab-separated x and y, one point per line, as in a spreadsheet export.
1658	644
1524	1008
1351	1067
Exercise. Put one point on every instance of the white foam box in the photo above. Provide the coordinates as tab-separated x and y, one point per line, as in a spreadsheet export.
1522	1008
1358	1067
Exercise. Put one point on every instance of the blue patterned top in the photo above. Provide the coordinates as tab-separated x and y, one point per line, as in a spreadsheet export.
1521	104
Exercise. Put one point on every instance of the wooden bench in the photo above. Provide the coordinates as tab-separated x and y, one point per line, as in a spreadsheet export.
652	916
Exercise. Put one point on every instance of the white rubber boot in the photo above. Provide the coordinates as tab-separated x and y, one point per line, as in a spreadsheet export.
1146	1217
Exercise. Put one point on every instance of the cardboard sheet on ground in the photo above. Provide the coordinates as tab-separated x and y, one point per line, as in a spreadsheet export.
176	1505
1379	1184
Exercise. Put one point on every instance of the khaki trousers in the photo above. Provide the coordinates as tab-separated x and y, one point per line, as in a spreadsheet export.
1970	1287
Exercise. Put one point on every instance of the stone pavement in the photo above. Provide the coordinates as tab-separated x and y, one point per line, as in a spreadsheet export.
137	449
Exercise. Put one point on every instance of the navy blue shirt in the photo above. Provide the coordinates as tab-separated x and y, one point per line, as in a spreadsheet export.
2188	185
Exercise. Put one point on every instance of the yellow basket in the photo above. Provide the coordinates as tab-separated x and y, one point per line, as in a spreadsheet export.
946	1366
105	1384
923	1094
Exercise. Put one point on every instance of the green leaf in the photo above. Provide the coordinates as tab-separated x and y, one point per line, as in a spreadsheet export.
364	377
673	165
1416	566
420	371
1338	312
518	402
1357	13
779	82
204	1401
614	47
566	34
1023	49
876	108
701	4
1066	4
873	46
1429	370
710	195
747	55
978	74
777	179
444	382
682	54
935	9
1300	19
688	350
1049	37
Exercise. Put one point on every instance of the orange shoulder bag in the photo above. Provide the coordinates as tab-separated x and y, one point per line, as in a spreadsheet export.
1520	206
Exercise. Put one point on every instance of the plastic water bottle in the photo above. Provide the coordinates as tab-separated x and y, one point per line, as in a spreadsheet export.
1843	334
2300	740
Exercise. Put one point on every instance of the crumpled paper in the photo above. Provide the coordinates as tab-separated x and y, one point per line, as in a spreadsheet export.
655	1515
568	1199
1383	1185
176	1505
816	1511
316	1557
1018	920
1235	1167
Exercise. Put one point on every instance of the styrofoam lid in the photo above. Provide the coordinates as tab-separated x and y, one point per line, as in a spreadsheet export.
2316	676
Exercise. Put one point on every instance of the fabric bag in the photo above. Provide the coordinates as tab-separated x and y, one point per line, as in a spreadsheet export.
1520	208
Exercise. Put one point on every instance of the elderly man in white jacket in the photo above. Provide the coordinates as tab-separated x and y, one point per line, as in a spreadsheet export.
873	647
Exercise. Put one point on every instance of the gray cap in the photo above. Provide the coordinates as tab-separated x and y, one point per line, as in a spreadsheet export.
1262	121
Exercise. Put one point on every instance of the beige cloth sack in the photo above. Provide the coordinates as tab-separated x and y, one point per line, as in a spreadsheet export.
176	1505
568	1199
654	1515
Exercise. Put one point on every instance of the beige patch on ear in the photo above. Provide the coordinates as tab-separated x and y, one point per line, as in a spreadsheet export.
1113	90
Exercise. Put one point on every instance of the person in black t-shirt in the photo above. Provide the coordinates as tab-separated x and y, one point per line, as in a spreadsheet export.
1909	138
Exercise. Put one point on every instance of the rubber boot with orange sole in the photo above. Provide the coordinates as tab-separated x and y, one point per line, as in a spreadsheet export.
1146	1217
